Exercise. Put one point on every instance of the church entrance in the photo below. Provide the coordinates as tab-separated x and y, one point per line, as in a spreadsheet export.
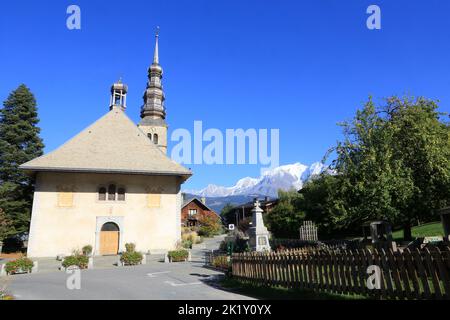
109	239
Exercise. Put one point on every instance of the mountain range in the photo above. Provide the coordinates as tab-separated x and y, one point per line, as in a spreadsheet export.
286	177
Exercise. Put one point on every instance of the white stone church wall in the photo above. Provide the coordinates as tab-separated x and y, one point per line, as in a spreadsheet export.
60	230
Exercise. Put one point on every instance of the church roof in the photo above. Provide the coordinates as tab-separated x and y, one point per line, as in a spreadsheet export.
112	144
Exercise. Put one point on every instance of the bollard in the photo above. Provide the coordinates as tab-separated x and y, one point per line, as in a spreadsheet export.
91	263
35	267
189	257
2	270
144	259
166	258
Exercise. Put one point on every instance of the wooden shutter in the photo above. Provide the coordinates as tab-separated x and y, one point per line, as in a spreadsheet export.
154	200
65	198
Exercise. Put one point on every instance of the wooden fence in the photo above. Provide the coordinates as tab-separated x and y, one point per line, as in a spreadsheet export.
417	274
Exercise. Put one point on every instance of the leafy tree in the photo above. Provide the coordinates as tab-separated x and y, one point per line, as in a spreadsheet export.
19	143
228	215
422	144
394	164
321	201
210	220
285	218
209	225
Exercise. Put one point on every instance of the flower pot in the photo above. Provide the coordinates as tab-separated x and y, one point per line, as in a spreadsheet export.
20	271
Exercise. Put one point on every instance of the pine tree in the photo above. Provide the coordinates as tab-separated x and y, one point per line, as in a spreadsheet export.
19	143
5	225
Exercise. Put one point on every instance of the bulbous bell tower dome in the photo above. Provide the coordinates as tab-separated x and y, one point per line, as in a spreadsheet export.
118	95
153	111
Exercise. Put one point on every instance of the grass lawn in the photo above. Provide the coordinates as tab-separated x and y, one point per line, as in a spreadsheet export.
424	230
280	293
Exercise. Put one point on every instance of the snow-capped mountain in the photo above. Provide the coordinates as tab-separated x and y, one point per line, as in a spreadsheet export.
291	176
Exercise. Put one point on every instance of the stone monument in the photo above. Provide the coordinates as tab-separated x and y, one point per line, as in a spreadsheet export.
259	235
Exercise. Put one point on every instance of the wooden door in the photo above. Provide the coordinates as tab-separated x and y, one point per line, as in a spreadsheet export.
109	242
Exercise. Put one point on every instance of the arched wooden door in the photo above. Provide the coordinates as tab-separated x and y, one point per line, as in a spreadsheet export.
109	239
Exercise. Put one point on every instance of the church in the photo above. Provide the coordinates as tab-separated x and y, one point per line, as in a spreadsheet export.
111	184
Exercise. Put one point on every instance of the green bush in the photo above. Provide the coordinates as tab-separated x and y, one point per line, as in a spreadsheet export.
187	244
87	250
178	255
130	247
78	260
238	245
207	231
21	264
131	258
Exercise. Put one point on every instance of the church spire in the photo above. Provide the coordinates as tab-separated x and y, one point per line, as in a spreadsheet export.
153	111
156	55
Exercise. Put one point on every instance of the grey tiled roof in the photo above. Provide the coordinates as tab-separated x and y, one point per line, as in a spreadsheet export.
113	144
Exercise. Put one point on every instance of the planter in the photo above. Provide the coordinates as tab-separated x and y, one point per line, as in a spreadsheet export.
20	271
21	265
77	261
177	260
132	259
129	264
181	255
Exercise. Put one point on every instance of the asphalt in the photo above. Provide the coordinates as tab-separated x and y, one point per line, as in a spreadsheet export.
155	281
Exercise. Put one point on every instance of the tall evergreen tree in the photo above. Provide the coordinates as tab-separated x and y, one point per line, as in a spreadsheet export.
19	143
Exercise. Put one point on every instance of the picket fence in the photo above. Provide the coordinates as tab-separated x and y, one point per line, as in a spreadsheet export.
411	274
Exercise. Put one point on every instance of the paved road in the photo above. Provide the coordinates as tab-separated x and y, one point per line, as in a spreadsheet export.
198	251
155	280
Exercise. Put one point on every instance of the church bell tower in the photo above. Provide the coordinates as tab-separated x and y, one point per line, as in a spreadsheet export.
153	112
118	95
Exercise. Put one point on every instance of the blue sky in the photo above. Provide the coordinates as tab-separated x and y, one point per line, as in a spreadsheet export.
300	66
